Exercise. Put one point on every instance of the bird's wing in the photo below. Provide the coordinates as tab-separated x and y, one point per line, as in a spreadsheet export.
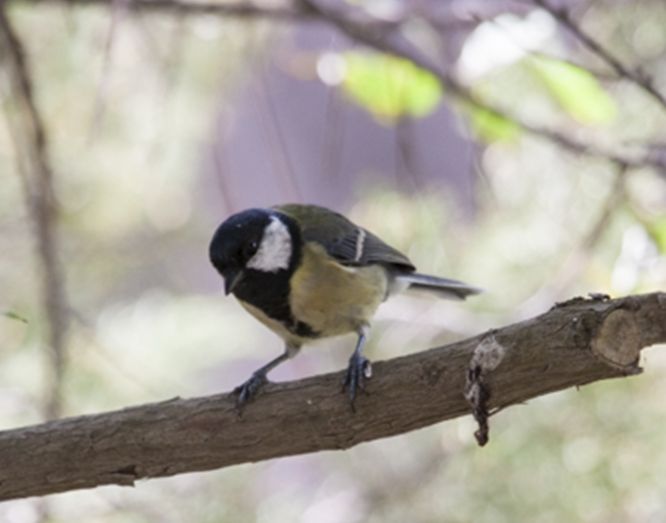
343	240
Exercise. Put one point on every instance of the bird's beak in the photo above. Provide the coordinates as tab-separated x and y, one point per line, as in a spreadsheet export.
231	278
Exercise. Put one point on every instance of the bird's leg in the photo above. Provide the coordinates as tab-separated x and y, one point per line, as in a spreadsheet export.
249	389
359	368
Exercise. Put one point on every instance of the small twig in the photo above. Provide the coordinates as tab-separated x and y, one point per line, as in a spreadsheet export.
379	34
118	9
381	37
228	9
562	15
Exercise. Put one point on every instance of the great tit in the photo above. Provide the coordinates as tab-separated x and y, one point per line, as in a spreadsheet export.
307	272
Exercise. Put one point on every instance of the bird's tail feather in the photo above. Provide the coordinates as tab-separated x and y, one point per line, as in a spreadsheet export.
442	287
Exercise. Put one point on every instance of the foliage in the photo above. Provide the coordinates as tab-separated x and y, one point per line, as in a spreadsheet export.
577	91
390	87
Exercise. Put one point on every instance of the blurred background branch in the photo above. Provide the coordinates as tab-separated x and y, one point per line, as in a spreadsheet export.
634	75
31	145
367	30
385	36
234	9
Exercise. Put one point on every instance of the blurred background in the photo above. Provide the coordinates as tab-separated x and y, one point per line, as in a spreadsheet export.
157	122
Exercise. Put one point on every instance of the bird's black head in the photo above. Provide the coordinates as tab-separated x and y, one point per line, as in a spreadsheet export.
254	241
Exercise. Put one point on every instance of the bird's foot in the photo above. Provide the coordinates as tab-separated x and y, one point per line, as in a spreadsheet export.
358	371
249	389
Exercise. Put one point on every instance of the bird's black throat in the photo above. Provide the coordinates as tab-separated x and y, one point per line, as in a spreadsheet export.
269	291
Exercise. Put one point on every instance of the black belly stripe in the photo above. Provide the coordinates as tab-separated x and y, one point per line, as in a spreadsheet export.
269	292
302	330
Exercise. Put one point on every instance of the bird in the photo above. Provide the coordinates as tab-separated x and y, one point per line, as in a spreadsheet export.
307	272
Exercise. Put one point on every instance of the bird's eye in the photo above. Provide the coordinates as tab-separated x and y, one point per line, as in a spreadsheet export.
249	249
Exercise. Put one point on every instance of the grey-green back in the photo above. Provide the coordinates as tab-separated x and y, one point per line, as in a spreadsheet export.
343	240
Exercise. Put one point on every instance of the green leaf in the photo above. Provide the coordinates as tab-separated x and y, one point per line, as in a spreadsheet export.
576	90
490	126
390	87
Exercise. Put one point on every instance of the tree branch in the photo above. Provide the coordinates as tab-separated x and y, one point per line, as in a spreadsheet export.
644	82
239	9
576	342
383	37
31	144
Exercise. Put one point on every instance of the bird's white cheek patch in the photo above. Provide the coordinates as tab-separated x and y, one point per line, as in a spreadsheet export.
274	251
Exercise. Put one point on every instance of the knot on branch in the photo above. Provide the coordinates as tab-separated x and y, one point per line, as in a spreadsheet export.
619	340
487	356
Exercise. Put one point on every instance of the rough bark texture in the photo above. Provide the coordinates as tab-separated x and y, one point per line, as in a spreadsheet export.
574	343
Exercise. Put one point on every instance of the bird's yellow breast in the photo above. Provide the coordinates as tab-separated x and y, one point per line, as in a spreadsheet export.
331	298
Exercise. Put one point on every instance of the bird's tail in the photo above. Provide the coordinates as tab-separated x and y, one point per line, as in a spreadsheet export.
442	287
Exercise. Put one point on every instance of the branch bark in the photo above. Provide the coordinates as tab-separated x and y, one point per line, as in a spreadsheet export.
577	342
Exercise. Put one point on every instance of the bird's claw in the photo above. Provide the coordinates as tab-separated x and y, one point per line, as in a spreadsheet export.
249	389
358	371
